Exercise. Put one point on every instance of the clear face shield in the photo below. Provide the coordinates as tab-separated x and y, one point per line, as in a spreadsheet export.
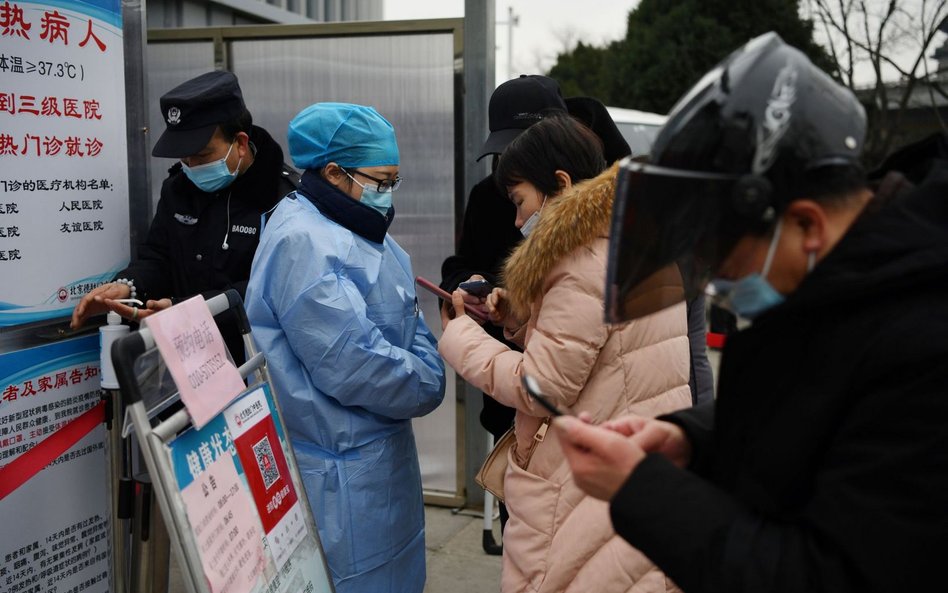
764	114
666	237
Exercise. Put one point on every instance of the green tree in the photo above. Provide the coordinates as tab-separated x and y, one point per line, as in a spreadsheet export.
582	73
670	44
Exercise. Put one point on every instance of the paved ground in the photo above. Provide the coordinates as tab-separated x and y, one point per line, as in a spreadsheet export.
456	561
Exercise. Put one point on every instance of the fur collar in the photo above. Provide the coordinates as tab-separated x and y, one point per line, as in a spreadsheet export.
570	221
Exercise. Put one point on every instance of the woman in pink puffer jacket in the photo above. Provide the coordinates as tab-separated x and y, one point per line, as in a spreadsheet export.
557	538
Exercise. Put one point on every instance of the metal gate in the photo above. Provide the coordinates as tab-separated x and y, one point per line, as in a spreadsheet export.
411	72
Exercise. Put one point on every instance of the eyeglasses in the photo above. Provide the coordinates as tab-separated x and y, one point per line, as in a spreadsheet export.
384	185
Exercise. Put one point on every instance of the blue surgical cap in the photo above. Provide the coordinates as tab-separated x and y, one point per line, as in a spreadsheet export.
346	134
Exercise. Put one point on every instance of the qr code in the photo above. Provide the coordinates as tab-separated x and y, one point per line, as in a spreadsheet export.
266	462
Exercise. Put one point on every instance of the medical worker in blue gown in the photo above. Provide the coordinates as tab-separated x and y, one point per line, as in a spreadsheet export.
332	302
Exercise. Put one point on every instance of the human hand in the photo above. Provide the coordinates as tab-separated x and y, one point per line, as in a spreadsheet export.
152	307
601	459
499	313
654	436
93	303
133	314
452	310
447	313
159	305
124	310
474	301
496	303
457	302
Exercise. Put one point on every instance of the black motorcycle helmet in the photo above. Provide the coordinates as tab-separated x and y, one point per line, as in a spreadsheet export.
746	140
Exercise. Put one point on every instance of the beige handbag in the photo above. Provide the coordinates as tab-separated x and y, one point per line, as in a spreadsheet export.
491	475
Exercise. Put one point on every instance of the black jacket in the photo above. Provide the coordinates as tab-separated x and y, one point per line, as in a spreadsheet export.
183	254
487	238
824	466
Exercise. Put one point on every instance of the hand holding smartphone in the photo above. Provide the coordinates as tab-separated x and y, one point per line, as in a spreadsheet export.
446	296
478	288
533	388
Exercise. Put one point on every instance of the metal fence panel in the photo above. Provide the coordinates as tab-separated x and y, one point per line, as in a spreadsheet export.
410	78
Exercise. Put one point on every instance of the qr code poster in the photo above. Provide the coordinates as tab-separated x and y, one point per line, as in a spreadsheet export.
266	462
261	453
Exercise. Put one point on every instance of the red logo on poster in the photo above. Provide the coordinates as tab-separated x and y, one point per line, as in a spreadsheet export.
63	294
267	472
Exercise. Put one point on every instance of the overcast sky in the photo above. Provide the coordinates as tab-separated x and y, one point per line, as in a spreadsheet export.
544	26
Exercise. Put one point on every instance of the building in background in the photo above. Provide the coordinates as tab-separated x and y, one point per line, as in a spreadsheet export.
171	14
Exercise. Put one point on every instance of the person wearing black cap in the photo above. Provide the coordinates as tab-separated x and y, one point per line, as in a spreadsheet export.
207	224
489	234
823	464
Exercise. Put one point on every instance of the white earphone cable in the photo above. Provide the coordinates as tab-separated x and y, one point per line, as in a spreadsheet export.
224	245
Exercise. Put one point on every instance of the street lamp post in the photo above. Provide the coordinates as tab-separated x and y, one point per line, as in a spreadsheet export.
511	22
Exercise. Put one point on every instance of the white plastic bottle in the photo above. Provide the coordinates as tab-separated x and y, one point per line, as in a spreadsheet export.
108	333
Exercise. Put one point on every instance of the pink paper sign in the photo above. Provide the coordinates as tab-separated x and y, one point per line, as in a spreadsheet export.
192	347
227	534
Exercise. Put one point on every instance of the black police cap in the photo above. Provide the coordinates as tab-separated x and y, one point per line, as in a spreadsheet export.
516	105
194	109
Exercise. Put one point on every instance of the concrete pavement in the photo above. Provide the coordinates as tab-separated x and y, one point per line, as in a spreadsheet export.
456	561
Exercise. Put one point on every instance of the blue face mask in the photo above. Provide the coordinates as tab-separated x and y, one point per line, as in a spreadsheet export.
213	176
373	198
748	297
380	201
751	295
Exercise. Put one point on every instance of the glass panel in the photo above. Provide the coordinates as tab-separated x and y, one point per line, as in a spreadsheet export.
410	80
170	64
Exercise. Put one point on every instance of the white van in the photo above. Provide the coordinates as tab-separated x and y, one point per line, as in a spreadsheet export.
639	128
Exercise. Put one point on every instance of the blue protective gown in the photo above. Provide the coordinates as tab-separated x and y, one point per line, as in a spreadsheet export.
352	361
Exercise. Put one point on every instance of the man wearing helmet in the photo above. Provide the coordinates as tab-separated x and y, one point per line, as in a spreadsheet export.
823	464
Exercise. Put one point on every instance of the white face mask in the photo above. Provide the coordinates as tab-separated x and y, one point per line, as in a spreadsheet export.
531	222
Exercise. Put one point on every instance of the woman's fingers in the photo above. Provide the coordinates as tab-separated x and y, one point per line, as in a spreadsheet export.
457	299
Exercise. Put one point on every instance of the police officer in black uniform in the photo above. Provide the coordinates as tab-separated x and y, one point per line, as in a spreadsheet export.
207	225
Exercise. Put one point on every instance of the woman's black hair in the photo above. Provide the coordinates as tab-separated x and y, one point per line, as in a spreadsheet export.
557	142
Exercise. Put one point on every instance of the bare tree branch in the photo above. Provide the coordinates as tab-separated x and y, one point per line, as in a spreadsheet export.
934	86
928	35
894	36
931	95
844	11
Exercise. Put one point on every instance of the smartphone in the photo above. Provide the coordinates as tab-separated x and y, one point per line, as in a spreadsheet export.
478	288
533	388
446	296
